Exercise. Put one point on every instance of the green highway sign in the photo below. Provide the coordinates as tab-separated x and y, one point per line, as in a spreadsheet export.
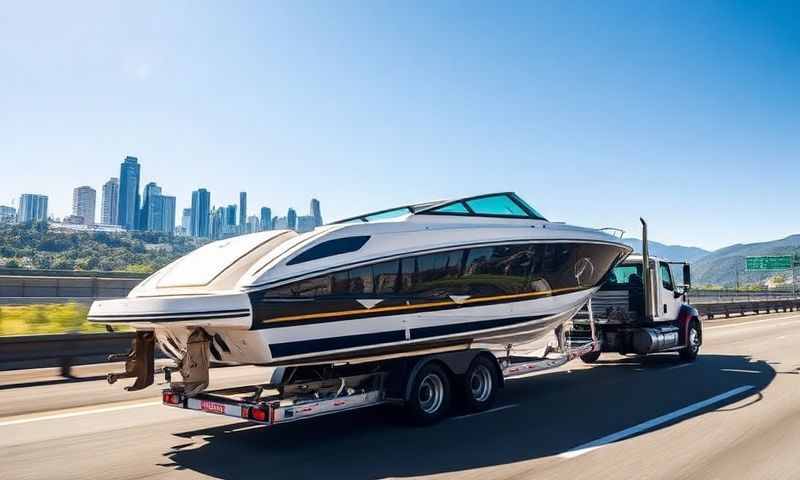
768	263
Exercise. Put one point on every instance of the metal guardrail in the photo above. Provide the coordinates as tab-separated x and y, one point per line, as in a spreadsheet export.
717	296
49	287
63	350
743	307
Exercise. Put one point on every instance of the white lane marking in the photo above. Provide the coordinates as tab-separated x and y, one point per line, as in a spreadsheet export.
738	370
78	414
600	442
491	410
754	322
682	365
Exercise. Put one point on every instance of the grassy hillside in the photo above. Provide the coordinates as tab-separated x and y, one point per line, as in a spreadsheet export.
36	246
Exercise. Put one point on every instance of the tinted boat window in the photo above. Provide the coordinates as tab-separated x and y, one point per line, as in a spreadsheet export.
340	283
330	248
503	269
385	276
436	273
361	280
407	274
496	205
397	212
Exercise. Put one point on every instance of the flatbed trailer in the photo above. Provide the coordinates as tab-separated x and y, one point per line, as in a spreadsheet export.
426	385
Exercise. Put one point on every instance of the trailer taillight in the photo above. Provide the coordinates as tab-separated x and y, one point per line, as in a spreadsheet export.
171	398
258	414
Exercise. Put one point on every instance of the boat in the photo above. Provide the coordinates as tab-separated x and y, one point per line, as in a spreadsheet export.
486	271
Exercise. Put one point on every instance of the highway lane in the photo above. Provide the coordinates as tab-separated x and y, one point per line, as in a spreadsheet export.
92	430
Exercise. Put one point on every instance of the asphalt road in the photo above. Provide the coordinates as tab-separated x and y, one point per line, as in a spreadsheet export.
735	413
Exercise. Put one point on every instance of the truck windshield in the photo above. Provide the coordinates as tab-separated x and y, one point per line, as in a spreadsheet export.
623	277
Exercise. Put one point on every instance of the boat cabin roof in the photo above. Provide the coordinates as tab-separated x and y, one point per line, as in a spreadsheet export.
503	204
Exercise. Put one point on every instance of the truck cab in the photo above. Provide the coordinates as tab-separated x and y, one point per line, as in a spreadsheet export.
641	310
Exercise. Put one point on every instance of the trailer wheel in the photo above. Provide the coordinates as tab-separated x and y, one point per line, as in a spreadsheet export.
590	357
689	354
429	397
480	384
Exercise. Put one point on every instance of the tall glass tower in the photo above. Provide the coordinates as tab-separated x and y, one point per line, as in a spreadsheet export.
201	208
316	212
129	173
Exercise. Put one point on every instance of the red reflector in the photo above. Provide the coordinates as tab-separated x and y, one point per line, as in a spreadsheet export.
171	398
258	414
245	412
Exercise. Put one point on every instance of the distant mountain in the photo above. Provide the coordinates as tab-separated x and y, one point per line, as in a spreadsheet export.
720	266
678	253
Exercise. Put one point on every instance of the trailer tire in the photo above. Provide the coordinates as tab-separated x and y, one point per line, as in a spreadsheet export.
429	395
590	357
480	384
693	341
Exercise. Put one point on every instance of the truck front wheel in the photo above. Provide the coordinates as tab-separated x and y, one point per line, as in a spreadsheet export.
689	353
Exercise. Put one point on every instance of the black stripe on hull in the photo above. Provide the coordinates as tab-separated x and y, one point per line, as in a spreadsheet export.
322	345
289	349
441	330
172	314
136	319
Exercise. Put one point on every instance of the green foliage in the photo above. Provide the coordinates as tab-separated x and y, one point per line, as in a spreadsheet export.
37	246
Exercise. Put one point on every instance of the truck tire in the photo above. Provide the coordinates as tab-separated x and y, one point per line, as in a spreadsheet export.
480	384
692	349
590	357
429	398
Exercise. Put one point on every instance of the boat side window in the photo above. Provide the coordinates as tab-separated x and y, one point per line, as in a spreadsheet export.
336	246
408	271
666	277
361	280
436	273
496	205
500	269
386	276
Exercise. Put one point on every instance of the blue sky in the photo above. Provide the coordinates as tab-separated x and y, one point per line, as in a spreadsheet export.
687	113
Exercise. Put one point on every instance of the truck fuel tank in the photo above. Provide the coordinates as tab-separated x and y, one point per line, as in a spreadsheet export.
656	339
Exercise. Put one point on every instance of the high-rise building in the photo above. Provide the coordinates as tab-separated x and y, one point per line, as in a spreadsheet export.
316	212
218	227
280	223
160	213
253	224
201	208
32	208
129	199
186	221
306	223
84	200
291	219
242	209
230	215
150	190
266	219
8	214
110	201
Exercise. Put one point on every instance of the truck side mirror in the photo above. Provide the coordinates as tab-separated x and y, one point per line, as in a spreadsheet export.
687	275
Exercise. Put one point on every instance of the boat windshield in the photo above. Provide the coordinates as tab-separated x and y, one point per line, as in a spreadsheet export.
493	205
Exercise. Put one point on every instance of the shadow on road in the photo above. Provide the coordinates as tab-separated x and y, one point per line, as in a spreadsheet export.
554	413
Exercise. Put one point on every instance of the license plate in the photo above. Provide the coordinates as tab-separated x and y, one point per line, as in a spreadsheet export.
212	407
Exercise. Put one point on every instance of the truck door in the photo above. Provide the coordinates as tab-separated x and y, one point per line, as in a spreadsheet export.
668	304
